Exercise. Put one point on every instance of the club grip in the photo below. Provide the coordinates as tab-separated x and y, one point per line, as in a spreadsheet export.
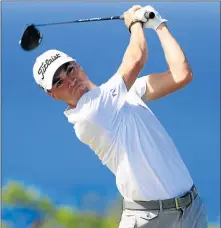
149	15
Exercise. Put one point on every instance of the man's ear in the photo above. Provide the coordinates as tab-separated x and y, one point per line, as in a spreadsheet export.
52	95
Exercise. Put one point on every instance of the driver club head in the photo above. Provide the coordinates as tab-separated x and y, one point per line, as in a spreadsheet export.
31	38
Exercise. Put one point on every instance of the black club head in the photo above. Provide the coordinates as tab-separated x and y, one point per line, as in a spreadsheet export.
31	38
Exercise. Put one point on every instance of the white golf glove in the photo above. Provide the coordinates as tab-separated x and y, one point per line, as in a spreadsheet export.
149	23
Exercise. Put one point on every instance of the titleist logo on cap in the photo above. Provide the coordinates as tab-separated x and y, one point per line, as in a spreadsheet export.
44	66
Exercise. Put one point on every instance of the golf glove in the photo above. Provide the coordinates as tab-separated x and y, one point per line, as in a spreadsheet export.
149	23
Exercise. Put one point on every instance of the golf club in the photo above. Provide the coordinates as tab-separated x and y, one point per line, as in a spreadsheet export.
32	37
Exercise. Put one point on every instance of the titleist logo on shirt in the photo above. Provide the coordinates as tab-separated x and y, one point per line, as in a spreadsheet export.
44	66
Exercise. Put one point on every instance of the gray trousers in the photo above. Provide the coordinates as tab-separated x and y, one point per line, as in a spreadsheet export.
193	216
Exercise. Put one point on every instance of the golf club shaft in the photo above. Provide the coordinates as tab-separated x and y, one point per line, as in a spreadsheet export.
84	20
148	15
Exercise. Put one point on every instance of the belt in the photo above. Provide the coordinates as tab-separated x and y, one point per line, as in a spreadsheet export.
176	203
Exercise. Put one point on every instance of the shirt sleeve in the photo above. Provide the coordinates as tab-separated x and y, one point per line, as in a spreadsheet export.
140	86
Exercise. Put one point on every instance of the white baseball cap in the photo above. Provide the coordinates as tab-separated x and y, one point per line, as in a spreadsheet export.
46	65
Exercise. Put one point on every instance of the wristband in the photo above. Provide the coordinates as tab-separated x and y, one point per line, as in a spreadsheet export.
134	22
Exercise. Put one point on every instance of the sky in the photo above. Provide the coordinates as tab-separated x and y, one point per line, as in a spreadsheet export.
39	146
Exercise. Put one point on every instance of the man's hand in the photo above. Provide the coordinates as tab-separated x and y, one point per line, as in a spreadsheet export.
150	23
130	16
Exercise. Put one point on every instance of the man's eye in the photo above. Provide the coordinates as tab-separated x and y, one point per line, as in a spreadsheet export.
58	84
69	69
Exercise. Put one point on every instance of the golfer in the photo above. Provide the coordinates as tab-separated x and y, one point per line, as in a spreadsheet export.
113	119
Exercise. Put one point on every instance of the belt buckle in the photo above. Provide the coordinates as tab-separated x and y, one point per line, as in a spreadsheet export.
177	204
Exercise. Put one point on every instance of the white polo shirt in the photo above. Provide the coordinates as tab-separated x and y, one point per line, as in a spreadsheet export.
128	138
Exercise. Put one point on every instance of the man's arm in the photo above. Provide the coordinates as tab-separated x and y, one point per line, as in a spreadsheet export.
136	53
179	73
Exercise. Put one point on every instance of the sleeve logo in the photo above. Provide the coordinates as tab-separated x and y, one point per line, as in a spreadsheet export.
113	92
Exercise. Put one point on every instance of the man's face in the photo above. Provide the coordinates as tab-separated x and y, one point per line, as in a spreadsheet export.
70	83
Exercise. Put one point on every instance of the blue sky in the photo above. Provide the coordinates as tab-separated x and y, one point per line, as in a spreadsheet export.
39	146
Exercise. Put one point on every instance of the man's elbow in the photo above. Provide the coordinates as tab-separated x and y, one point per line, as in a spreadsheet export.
187	76
184	77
